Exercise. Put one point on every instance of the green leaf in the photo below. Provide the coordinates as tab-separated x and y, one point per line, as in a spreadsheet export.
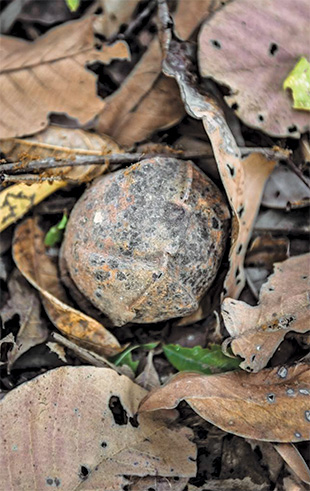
73	5
125	358
299	82
55	233
198	359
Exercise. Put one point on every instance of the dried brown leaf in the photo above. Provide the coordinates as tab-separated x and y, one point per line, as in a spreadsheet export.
294	459
25	303
285	190
48	75
266	250
230	53
60	143
261	406
115	14
284	306
38	268
147	100
77	426
243	179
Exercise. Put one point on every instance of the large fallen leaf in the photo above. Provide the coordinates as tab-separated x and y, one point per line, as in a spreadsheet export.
284	306
230	53
25	303
39	269
49	75
147	100
261	406
76	428
243	179
56	142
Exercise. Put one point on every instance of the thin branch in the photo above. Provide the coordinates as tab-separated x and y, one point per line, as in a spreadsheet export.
84	160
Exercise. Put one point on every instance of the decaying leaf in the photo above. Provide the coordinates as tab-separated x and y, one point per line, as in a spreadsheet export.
46	75
266	250
80	431
115	14
56	142
284	306
148	378
243	179
299	82
262	406
39	269
25	303
285	190
255	71
9	341
147	100
17	200
280	221
58	350
294	459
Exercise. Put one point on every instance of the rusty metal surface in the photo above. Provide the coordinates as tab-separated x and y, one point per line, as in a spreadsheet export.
143	244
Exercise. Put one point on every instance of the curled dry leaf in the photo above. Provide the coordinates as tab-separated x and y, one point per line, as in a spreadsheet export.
243	179
283	307
294	459
254	72
147	100
262	406
25	303
56	142
39	269
48	75
80	430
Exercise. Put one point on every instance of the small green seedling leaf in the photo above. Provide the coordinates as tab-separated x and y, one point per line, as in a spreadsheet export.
55	233
125	358
197	359
73	5
299	83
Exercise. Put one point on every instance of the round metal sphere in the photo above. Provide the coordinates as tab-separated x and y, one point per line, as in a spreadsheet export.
143	244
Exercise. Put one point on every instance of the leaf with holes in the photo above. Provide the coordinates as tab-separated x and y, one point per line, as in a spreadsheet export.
262	406
78	426
243	179
38	268
254	71
284	307
198	359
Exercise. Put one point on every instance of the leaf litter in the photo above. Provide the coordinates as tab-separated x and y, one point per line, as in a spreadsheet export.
257	331
262	406
109	442
25	303
61	144
44	76
130	109
38	268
